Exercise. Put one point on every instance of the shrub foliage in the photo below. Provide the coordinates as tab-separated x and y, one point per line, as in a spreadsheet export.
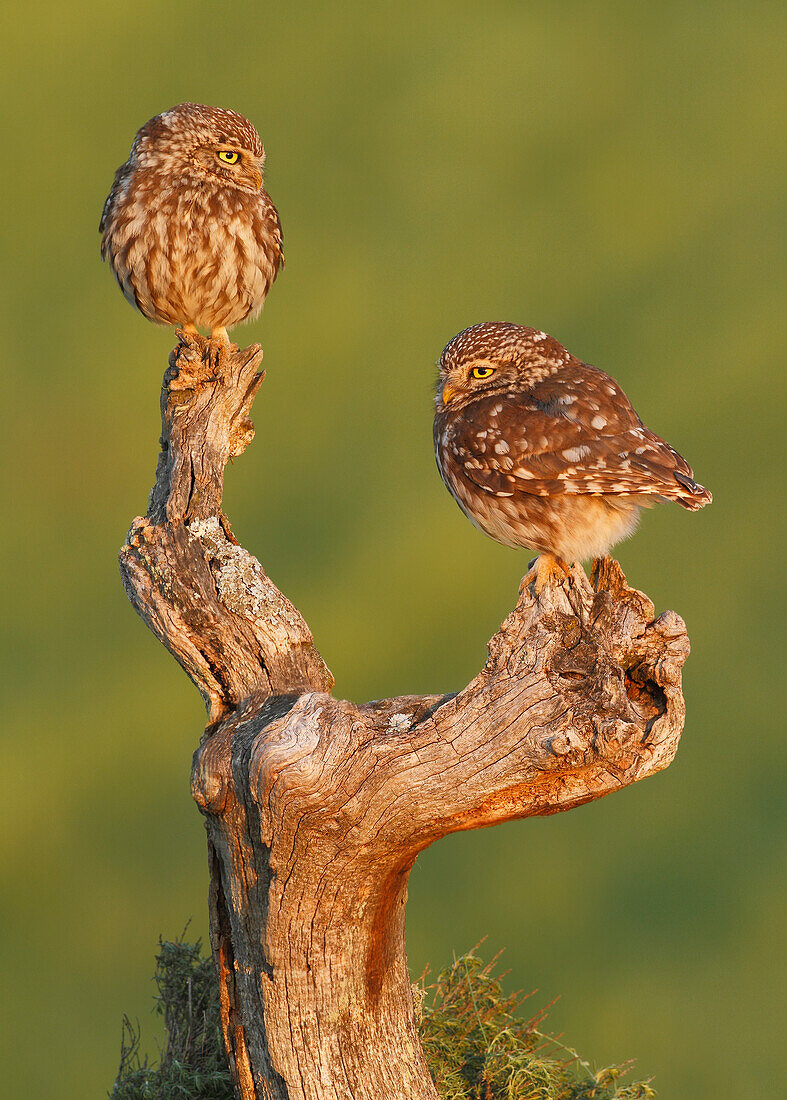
477	1043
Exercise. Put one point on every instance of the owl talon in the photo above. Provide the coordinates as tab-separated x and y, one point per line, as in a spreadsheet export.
207	360
192	374
215	354
188	336
190	362
528	578
549	570
217	347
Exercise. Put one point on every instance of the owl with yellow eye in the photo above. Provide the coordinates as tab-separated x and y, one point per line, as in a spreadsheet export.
543	451
188	229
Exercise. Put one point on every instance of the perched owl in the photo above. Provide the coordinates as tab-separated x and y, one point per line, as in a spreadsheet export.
540	450
189	231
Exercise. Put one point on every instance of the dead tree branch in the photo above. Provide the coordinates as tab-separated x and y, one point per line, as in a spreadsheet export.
316	808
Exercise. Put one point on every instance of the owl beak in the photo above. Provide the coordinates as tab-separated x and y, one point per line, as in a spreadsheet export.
448	393
256	175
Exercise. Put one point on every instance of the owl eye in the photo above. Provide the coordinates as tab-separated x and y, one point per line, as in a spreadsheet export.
482	372
229	156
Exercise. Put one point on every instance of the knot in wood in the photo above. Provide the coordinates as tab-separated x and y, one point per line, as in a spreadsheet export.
566	742
291	757
211	773
575	650
621	745
570	631
141	531
241	436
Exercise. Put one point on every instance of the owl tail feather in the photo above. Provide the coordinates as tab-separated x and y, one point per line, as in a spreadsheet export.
698	495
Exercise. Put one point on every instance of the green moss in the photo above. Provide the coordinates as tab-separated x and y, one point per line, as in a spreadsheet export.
477	1044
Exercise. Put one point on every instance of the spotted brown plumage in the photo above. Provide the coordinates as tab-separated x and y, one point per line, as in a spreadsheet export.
543	451
188	229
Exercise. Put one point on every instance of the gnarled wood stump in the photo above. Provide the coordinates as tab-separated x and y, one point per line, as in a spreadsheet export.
316	808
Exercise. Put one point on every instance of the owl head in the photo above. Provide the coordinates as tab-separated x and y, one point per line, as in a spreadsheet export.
494	357
196	143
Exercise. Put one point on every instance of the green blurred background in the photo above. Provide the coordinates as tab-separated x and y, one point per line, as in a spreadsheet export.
609	172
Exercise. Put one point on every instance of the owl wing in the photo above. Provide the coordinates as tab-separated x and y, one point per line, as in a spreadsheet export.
120	177
268	231
573	432
279	239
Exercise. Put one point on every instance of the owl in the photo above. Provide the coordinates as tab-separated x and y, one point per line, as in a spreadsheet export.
188	229
541	450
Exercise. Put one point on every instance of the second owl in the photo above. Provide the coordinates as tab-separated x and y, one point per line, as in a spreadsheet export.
543	451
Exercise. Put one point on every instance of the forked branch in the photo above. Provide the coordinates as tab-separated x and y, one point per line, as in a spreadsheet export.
316	808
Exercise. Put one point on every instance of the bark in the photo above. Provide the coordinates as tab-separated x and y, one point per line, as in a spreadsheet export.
316	808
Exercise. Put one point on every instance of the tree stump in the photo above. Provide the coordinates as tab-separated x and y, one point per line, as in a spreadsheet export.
315	807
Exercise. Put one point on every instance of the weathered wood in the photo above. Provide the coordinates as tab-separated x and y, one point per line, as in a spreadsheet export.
316	808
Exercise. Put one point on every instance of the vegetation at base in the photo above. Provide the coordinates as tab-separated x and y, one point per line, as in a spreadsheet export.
477	1045
193	1064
